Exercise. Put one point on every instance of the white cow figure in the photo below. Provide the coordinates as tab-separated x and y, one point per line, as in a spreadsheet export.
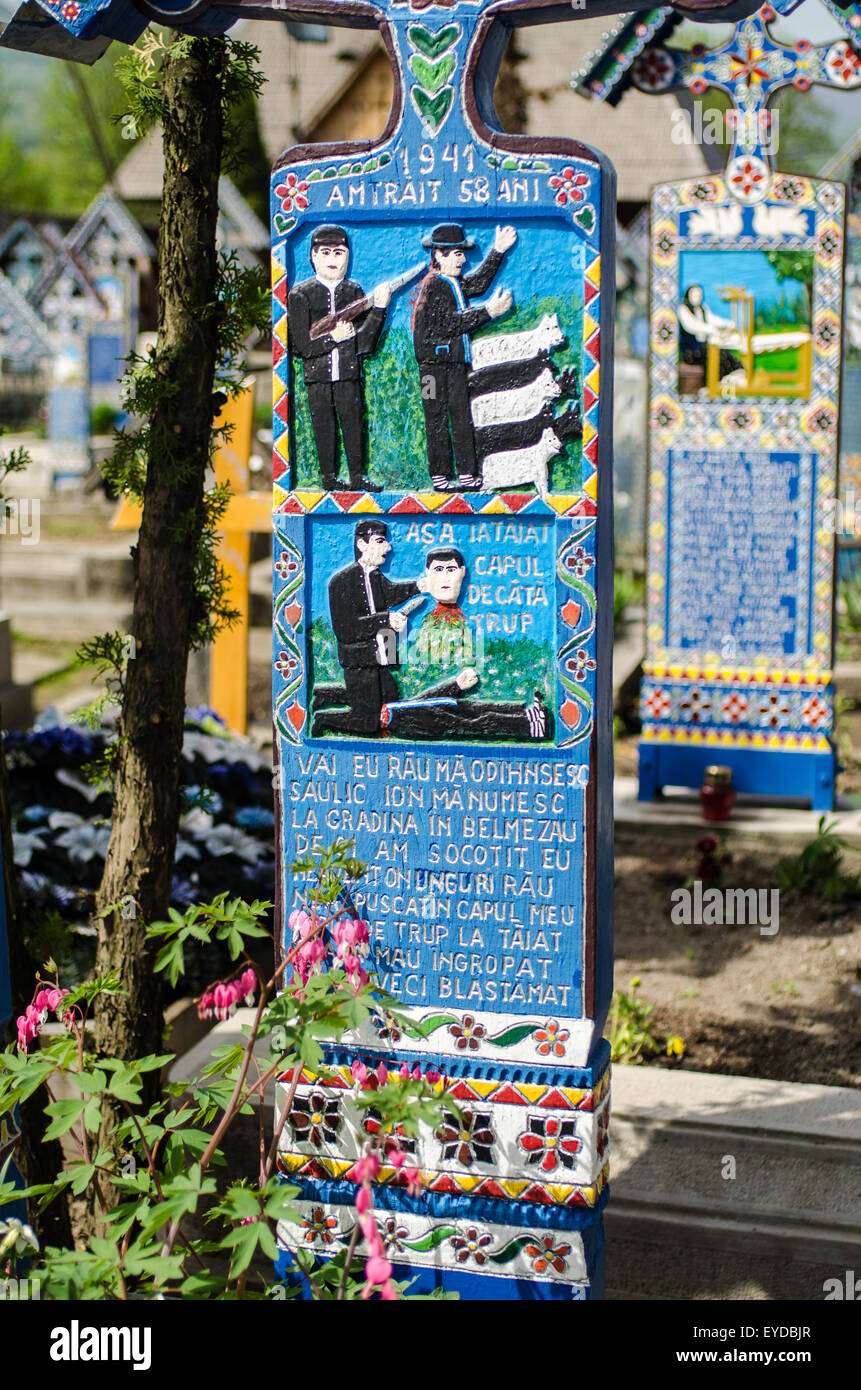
517	347
519	403
513	467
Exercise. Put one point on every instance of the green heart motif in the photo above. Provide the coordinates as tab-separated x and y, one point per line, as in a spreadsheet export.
284	224
585	217
432	76
433	110
432	45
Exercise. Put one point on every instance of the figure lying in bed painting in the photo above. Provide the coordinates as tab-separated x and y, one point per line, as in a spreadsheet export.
370	614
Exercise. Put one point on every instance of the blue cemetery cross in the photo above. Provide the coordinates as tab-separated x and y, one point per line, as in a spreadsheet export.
442	315
442	634
745	366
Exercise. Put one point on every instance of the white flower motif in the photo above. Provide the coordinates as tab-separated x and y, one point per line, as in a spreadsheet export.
227	839
197	821
23	844
65	820
223	750
15	1235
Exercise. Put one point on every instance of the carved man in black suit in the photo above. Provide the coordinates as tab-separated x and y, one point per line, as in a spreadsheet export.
360	598
331	363
442	325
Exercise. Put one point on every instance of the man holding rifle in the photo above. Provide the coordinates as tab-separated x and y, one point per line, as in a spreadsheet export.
331	343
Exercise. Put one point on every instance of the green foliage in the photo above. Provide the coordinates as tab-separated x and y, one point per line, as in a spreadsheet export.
231	922
102	419
818	870
59	140
627	589
791	265
16	461
630	1037
162	1171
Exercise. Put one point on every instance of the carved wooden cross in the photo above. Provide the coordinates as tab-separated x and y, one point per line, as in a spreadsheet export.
751	67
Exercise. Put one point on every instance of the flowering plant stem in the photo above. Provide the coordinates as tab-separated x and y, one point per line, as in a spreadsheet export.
161	1170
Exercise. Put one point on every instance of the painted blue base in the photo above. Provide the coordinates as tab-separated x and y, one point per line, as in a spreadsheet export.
759	771
485	1288
444	1206
541	1074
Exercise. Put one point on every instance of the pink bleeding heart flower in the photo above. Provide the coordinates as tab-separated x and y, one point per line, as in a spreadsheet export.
355	974
28	1026
414	1181
367	1169
248	985
359	1072
353	937
206	1005
377	1271
310	957
300	924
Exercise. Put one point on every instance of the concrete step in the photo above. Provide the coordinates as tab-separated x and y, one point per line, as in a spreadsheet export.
678	812
74	621
729	1187
71	571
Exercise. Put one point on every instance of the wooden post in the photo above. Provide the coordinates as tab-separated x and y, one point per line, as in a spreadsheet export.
442	312
246	512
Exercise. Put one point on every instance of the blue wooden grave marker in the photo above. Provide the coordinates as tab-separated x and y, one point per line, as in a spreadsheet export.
442	652
745	366
442	313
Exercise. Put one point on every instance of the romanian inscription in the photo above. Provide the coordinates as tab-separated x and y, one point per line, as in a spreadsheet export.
473	891
738	522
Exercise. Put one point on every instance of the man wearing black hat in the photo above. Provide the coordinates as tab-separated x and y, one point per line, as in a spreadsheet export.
442	325
331	363
360	598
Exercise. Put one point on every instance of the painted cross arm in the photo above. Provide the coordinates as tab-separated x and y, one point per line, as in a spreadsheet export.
630	55
81	30
751	67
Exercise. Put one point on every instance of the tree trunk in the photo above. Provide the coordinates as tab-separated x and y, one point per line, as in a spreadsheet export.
38	1160
139	862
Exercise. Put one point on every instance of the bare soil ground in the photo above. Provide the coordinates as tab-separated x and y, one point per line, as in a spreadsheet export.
745	1004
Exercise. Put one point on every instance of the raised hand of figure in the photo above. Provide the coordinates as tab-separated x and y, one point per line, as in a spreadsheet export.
422	584
499	303
504	239
382	295
342	332
398	621
467	678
